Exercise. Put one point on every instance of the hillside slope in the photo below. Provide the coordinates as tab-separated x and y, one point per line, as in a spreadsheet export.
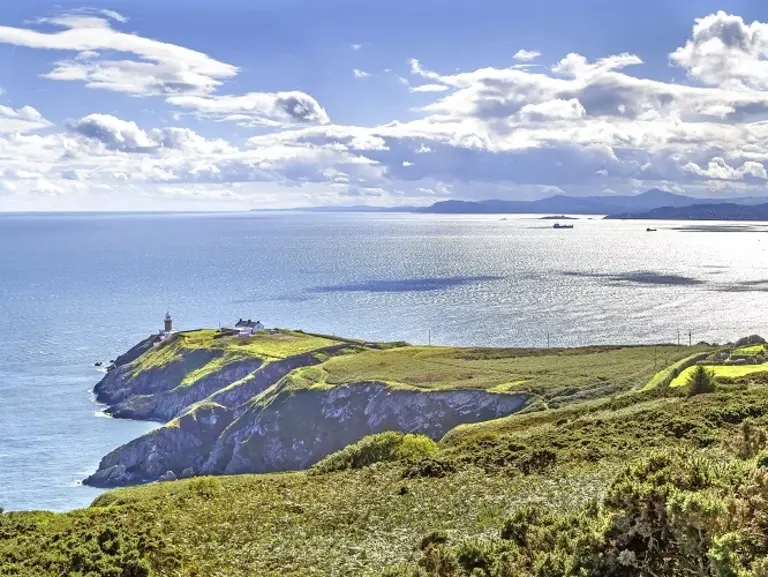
647	483
284	400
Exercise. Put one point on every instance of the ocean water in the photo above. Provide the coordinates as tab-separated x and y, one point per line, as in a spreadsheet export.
75	289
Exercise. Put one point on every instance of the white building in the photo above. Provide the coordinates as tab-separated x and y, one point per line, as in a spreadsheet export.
167	328
248	328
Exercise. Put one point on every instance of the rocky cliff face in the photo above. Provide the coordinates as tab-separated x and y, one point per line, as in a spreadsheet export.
245	417
295	429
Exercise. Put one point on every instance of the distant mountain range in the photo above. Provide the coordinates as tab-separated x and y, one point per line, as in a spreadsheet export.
562	204
721	211
652	204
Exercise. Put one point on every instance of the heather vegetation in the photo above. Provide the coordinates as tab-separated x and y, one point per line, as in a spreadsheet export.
662	481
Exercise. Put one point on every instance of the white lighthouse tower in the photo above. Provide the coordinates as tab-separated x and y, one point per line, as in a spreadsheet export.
167	327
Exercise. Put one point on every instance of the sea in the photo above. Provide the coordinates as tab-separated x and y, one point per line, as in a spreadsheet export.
76	289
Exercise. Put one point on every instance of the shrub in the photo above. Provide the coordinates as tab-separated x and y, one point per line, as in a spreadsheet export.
205	486
379	448
749	441
702	380
415	448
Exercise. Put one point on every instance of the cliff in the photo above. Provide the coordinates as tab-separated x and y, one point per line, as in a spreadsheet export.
284	400
235	404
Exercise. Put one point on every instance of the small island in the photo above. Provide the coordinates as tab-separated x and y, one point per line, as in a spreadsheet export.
561	217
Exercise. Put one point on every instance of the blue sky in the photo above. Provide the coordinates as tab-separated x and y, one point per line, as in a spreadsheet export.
234	104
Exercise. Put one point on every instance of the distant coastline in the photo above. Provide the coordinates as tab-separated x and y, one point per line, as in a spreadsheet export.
723	211
651	204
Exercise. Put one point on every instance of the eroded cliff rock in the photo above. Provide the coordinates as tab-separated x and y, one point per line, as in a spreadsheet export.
248	416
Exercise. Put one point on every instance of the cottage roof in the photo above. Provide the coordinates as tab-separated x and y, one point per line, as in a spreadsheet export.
249	324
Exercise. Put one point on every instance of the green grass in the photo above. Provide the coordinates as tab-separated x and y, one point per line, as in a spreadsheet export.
553	374
667	374
228	349
748	351
355	522
552	492
732	372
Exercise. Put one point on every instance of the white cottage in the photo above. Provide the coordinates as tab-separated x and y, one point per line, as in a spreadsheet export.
248	328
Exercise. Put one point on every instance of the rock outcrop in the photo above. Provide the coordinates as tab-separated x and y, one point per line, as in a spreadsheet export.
248	416
295	429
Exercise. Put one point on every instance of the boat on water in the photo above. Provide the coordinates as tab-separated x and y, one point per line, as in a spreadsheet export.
649	229
558	225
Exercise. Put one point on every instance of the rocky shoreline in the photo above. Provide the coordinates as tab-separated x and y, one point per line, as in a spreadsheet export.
246	417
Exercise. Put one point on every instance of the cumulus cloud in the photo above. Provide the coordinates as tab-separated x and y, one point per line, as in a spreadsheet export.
719	169
360	73
114	133
725	51
526	55
584	125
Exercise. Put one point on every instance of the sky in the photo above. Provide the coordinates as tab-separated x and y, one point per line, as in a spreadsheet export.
251	104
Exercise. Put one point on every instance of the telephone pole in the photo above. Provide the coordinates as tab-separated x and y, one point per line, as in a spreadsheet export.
690	338
429	337
678	337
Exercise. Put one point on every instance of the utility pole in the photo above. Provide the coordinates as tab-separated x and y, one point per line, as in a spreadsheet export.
690	338
429	337
547	340
678	337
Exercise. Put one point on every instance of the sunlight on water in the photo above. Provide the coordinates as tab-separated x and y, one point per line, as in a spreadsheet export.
75	290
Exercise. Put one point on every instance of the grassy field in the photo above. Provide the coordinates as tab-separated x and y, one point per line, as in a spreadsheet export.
748	351
732	371
355	523
551	374
668	372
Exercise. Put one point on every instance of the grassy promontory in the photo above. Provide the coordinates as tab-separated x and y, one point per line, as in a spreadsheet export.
605	478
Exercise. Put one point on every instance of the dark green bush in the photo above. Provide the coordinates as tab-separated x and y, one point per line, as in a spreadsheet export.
701	381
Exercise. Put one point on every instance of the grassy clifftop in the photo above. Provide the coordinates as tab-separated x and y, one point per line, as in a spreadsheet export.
225	349
559	375
606	478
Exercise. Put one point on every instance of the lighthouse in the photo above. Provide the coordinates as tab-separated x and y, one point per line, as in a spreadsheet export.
168	323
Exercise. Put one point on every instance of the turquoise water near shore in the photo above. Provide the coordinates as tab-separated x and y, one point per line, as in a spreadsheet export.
75	289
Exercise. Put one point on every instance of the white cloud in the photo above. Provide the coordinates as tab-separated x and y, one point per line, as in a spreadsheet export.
159	67
260	108
429	88
25	119
360	73
725	51
719	169
356	47
557	109
517	132
526	55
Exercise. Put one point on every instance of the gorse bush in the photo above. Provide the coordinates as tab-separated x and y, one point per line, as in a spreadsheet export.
379	448
95	546
670	514
749	440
